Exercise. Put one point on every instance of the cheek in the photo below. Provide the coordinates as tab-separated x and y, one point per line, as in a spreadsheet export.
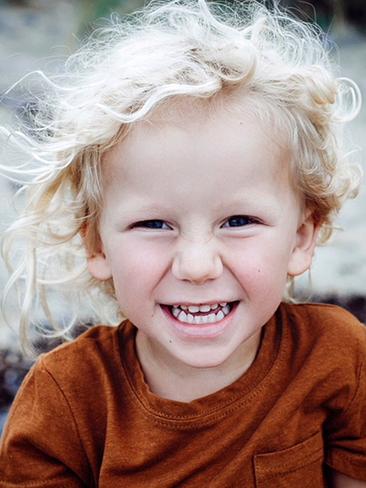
262	268
136	266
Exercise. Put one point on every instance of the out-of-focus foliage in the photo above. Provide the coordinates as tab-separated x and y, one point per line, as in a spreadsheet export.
324	12
90	10
328	12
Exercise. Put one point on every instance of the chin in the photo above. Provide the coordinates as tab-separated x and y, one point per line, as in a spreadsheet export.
204	361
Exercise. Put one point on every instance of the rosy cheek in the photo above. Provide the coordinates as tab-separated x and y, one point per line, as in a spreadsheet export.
137	262
257	267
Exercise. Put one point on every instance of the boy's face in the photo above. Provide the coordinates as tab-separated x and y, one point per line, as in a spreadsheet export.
198	212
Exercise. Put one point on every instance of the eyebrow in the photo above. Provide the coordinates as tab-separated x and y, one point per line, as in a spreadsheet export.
144	209
258	205
238	205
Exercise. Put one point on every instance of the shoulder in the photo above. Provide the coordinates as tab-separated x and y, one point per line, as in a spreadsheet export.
324	348
90	345
68	378
91	360
330	329
325	319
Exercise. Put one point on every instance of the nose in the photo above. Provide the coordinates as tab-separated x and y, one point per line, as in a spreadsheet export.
197	262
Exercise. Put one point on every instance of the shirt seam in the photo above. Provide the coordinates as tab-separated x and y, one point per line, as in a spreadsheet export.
356	390
36	484
334	458
306	459
267	475
82	447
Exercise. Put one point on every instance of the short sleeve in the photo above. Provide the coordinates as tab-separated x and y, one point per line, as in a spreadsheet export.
40	444
347	435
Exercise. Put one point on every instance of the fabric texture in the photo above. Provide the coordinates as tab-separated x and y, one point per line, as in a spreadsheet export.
85	417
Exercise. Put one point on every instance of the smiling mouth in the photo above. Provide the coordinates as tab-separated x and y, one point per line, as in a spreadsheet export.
201	314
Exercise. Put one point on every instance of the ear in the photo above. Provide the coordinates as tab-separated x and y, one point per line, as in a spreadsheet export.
99	267
303	251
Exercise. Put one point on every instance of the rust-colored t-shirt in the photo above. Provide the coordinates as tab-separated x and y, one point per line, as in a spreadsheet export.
85	416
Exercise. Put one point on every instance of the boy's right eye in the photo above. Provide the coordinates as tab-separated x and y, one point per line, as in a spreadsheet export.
155	224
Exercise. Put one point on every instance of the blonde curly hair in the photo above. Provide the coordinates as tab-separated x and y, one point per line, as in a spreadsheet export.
125	70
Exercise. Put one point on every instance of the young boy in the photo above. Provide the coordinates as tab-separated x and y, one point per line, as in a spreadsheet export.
197	164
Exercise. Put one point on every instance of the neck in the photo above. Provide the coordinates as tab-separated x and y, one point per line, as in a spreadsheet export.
171	379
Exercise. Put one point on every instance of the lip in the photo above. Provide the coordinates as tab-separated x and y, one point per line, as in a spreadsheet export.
203	331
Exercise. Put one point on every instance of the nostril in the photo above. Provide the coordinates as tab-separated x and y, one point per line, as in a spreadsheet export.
196	266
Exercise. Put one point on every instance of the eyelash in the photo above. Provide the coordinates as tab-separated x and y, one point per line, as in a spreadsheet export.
151	224
145	224
248	220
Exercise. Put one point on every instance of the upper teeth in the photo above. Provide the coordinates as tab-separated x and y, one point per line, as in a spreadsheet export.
200	308
181	312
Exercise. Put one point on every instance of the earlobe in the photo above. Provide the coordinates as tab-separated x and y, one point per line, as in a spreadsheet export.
303	252
98	267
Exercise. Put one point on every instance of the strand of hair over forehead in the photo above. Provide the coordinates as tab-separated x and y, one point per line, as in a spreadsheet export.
124	72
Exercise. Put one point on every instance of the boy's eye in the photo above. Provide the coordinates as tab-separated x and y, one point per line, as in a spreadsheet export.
239	221
151	224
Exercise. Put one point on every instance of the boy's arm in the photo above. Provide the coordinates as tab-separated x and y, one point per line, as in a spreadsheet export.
40	444
340	480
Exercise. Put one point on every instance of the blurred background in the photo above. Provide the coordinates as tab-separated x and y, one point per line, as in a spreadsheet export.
39	34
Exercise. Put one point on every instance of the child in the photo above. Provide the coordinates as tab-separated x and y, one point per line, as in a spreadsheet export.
194	157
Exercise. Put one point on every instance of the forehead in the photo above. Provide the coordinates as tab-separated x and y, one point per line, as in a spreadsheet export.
187	130
198	160
226	109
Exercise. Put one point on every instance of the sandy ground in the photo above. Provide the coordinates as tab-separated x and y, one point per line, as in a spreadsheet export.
35	38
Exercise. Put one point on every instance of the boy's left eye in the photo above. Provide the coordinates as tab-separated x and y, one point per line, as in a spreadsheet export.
151	224
239	221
